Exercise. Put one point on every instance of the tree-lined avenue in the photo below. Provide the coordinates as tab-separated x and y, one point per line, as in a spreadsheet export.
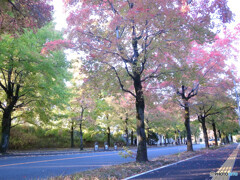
34	167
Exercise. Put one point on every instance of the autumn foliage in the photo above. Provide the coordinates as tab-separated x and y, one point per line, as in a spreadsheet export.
19	14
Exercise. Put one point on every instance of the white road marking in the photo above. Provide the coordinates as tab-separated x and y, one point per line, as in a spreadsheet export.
160	167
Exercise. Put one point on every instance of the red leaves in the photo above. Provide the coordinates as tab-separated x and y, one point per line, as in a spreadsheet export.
22	14
55	45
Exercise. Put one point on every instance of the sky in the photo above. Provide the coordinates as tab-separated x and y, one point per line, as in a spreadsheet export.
60	20
59	15
234	5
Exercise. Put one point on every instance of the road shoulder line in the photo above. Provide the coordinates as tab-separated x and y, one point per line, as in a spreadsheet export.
161	167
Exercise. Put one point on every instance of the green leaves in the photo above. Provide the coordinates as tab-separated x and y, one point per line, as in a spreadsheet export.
41	78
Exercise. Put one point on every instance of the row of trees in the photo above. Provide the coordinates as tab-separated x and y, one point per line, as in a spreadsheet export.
146	46
144	65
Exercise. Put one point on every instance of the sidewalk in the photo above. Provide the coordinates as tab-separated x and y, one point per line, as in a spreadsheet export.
198	167
236	167
46	152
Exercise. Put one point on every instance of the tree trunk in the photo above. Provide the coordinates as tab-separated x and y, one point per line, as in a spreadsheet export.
132	138
219	133
160	140
6	126
72	135
205	131
227	139
108	135
184	137
215	133
220	136
148	139
80	126
126	130
142	147
12	91
175	137
180	138
166	139
187	126
231	138
81	136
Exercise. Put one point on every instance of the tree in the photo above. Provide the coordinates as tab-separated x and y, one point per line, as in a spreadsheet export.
30	82
225	122
195	129
209	106
82	102
203	113
165	118
204	70
123	111
16	15
82	105
132	40
104	114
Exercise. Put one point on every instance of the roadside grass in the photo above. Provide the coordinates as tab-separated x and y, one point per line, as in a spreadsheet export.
129	169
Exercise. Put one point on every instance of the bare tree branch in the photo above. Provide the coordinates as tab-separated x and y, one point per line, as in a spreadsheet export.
180	103
153	36
110	52
126	67
119	80
209	109
113	9
13	5
15	124
23	104
3	87
193	92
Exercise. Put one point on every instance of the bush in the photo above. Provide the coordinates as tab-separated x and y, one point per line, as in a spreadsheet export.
21	139
27	137
24	137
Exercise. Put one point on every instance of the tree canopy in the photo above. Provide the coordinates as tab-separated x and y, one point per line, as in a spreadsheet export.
31	83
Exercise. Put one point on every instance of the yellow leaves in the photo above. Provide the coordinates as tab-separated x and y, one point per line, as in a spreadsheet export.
126	153
185	8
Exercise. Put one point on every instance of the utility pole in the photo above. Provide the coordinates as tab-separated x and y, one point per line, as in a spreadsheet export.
237	99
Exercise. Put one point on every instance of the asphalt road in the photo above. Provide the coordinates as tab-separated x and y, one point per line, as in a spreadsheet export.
40	167
200	167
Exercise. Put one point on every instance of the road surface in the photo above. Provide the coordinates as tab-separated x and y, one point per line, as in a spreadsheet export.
38	167
213	165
